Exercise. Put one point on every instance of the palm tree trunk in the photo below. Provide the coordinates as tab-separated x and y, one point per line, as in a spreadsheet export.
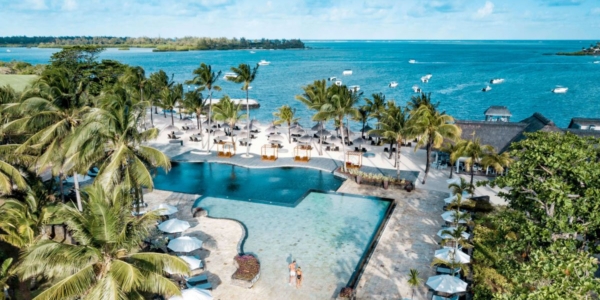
248	122
172	120
62	189
451	169
24	289
77	195
156	110
398	160
472	172
427	162
209	117
151	117
199	124
343	145
391	148
321	142
289	132
363	129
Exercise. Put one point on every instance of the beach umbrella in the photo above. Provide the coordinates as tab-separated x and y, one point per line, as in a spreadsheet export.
452	255
170	128
450	199
165	209
334	140
305	138
255	122
323	132
446	284
445	236
449	216
455	180
295	124
272	129
173	225
367	128
317	126
252	127
194	262
185	244
223	138
225	125
193	294
219	132
276	137
361	141
80	178
275	142
297	130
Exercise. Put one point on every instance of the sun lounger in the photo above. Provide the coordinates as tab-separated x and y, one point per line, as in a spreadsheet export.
197	279
204	286
386	149
438	297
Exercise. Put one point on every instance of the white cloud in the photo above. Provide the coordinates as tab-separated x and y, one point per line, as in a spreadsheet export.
485	11
36	4
69	5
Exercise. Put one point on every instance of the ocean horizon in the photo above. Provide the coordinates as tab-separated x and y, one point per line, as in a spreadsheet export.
460	69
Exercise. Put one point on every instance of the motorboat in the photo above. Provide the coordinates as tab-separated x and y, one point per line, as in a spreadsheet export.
416	89
264	63
338	82
497	80
486	89
426	78
354	88
252	52
560	90
7	50
393	84
332	78
412	61
347	72
597	62
229	76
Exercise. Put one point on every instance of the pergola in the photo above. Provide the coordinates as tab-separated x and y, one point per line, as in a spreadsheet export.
269	152
225	149
351	158
302	153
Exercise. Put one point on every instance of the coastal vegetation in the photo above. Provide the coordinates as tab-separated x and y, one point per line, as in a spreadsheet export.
160	44
21	68
591	50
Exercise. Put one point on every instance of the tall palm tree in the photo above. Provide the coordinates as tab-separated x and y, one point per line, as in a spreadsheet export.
136	77
422	100
414	280
228	112
394	127
462	187
454	151
285	114
376	106
499	162
170	97
12	177
363	118
205	78
245	75
105	262
157	82
194	102
314	97
433	127
341	104
456	235
475	151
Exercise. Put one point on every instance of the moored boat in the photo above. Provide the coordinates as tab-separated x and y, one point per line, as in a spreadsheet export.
354	88
229	76
264	63
347	72
338	82
426	78
393	84
486	89
416	89
560	89
497	80
332	78
412	61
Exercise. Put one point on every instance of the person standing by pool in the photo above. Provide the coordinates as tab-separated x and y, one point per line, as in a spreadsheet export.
292	268
299	277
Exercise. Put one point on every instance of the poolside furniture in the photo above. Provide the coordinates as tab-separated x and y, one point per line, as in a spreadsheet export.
438	297
203	285
441	270
180	142
385	149
269	152
194	293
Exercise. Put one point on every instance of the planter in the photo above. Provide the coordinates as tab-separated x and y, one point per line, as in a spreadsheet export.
386	183
346	293
358	179
248	271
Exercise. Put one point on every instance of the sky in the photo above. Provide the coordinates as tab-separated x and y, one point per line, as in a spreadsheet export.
306	19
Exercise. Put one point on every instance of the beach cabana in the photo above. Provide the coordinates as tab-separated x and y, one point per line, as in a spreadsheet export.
269	152
173	226
353	160
225	149
185	244
452	255
302	152
446	284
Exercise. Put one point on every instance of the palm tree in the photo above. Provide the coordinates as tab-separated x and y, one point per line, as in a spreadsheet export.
341	105
456	235
104	262
194	102
363	118
422	100
205	79
414	281
229	112
460	188
245	75
170	97
5	275
499	162
394	127
157	82
454	151
314	97
11	176
285	114
475	151
376	106
136	78
433	127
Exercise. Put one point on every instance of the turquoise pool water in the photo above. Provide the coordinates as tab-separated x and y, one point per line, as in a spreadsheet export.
327	234
278	186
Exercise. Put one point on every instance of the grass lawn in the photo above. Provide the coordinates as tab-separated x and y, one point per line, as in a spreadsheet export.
18	82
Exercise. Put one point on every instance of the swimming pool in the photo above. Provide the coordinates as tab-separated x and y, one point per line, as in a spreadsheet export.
278	186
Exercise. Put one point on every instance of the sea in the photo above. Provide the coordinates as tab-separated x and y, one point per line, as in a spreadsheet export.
459	69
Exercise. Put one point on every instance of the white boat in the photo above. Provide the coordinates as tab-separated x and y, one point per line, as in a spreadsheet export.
229	76
347	72
412	61
597	62
426	78
560	90
7	50
338	82
252	52
416	89
354	88
497	80
264	63
486	89
332	78
393	84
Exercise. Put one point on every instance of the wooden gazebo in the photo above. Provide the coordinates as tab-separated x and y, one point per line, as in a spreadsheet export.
269	152
353	159
225	149
302	153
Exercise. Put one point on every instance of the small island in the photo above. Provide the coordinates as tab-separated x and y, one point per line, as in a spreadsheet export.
158	44
592	50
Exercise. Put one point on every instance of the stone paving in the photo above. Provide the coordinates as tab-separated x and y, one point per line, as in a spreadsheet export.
407	242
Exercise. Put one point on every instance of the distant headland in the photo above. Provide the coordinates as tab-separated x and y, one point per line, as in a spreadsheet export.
158	44
592	50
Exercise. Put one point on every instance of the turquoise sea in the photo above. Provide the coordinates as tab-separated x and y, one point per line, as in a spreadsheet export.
460	70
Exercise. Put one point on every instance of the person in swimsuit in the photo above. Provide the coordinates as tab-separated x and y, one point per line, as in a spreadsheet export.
292	268
299	277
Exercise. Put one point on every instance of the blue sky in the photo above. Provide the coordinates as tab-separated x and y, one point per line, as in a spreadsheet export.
306	19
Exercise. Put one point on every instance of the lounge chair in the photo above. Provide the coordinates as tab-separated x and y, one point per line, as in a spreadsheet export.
327	148
204	286
336	148
297	158
191	139
264	157
364	150
372	143
356	149
394	149
386	149
197	279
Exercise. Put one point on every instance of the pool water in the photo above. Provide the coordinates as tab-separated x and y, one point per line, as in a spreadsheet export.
278	186
326	233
